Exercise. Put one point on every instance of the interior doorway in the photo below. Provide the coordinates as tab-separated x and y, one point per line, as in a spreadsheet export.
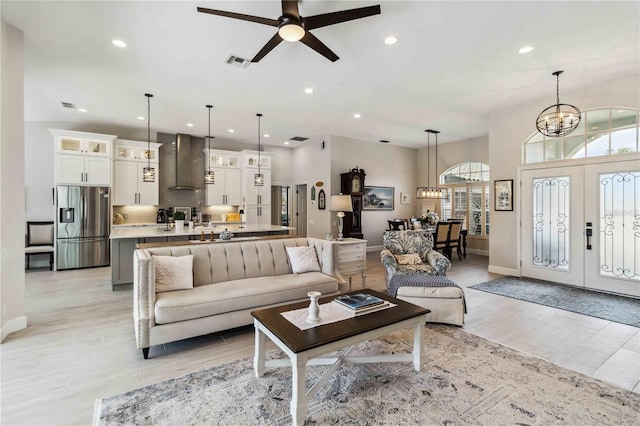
580	226
281	205
301	210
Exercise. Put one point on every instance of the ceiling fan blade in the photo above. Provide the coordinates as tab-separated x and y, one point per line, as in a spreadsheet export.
271	44
290	8
242	17
311	41
319	21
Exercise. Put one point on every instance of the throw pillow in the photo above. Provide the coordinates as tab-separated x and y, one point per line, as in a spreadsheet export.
173	272
408	259
303	259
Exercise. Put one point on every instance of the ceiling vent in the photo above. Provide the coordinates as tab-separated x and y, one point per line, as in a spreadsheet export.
68	105
383	141
298	139
239	62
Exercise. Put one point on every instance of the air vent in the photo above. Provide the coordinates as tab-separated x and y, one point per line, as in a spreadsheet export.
383	141
298	139
239	62
68	105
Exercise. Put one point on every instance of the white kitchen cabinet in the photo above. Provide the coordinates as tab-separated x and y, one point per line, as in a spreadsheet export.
259	195
82	158
258	215
135	150
130	158
227	189
82	170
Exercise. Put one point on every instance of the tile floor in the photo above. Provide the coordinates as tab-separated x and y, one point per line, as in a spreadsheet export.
79	345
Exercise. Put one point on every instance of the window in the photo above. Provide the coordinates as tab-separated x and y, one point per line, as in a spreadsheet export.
603	131
466	195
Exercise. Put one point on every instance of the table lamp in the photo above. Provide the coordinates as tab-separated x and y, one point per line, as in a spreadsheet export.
340	203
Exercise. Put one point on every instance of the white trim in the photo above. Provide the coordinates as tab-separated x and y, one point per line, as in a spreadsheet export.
503	271
13	325
85	135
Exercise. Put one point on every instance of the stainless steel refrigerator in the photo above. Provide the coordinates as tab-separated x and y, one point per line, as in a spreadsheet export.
82	219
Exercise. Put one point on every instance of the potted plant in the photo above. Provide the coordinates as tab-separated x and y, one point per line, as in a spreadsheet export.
178	220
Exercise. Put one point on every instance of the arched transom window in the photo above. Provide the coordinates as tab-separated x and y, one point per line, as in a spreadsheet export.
466	196
602	131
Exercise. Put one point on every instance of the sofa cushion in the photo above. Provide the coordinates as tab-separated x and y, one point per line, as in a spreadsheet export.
229	296
303	259
173	272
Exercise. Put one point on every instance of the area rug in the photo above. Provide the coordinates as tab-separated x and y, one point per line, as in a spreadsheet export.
466	380
625	310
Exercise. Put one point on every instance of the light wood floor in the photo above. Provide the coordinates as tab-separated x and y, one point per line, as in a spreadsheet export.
80	345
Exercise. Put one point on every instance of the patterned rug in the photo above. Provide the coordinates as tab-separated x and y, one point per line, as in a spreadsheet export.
466	380
625	310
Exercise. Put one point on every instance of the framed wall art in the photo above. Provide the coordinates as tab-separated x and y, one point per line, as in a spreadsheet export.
378	198
503	193
322	202
405	198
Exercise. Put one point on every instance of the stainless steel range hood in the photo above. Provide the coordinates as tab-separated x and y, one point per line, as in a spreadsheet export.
184	163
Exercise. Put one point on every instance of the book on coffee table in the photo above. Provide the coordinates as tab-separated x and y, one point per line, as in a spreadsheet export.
358	301
362	311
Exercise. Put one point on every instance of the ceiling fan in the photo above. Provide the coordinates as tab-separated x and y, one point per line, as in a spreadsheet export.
293	27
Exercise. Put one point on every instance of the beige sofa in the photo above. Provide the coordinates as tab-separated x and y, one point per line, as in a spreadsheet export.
230	280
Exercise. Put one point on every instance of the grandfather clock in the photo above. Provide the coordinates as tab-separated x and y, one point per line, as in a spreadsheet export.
352	183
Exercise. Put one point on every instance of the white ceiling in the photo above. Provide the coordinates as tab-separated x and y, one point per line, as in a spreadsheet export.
454	63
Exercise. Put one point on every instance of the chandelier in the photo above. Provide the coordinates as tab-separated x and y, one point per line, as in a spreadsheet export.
148	172
430	192
258	178
209	175
560	119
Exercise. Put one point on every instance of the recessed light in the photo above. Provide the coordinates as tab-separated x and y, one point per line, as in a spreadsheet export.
189	124
356	115
286	143
525	49
391	40
82	110
230	130
141	118
119	43
308	90
620	110
266	135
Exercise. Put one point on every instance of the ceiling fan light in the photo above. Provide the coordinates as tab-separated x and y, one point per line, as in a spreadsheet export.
291	32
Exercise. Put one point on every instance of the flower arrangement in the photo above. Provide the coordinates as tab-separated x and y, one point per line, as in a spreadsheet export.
429	218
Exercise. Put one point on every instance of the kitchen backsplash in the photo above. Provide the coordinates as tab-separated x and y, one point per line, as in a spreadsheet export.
147	214
167	173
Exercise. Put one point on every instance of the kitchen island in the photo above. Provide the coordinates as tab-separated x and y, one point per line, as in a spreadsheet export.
125	240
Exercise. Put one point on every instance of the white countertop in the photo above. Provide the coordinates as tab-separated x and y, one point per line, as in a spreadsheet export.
149	231
158	225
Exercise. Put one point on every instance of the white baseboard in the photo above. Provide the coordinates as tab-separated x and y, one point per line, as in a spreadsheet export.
478	252
375	248
503	271
13	325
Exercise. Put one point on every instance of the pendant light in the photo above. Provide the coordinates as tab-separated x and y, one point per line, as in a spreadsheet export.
430	192
560	119
209	175
258	178
148	173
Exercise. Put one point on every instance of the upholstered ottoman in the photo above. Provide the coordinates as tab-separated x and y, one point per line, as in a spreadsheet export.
438	293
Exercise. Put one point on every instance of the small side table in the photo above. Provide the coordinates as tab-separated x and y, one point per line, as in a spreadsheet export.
351	260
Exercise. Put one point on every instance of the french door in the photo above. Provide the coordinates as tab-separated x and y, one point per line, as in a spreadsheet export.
581	226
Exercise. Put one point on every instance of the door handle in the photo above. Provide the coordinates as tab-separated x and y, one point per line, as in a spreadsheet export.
589	234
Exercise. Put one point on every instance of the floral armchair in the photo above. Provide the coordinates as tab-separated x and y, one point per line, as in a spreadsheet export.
411	252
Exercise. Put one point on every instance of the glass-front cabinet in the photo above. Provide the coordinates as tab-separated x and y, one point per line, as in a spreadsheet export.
83	146
135	150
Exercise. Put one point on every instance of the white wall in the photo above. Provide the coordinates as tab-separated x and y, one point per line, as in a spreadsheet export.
511	126
384	165
12	215
312	164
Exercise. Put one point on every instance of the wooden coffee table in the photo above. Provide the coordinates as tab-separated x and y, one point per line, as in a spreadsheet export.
306	347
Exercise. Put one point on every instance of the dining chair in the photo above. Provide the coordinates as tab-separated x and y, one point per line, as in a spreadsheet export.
441	238
398	224
39	241
453	241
